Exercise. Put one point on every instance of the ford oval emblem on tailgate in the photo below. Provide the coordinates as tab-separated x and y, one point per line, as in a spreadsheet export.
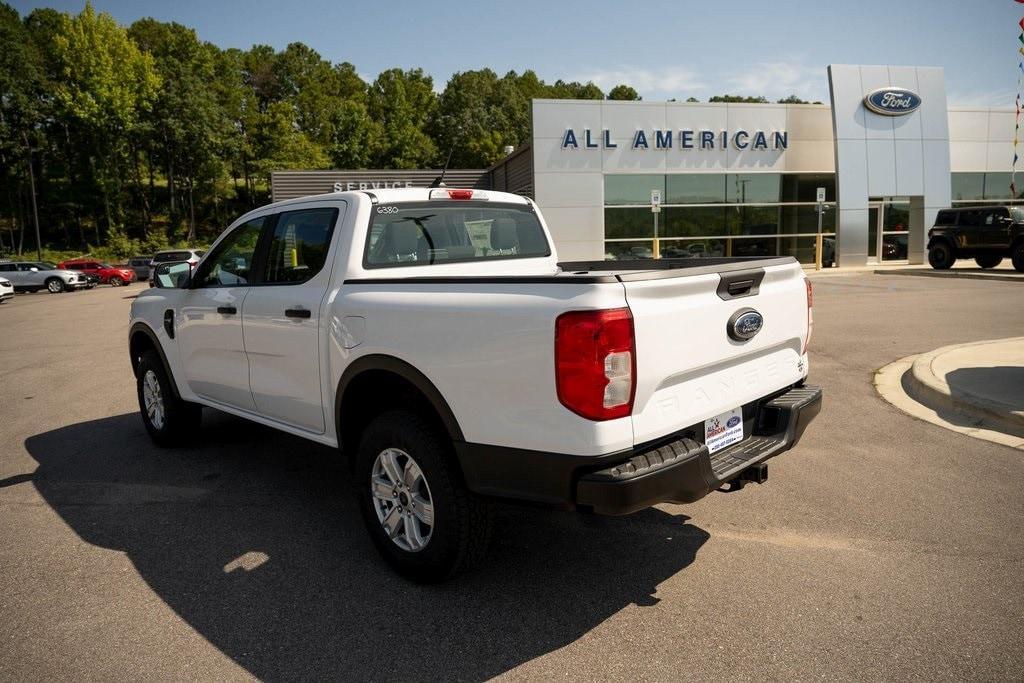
744	324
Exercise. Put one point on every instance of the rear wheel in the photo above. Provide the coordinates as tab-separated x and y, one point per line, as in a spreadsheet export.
940	256
988	260
1017	257
420	515
168	419
115	281
54	285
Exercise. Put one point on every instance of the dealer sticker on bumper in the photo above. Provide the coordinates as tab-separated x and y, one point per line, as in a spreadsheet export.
723	430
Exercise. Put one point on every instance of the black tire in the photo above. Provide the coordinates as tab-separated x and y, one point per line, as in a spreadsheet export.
115	281
54	285
940	256
461	526
1017	257
988	260
181	419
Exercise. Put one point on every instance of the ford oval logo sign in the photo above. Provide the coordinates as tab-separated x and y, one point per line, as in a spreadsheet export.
892	101
744	324
733	421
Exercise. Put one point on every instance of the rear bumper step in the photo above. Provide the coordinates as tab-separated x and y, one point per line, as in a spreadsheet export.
683	471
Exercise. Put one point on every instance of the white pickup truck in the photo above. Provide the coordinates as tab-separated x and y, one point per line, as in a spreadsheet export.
433	335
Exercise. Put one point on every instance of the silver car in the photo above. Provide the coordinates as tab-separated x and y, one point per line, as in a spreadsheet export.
6	290
31	276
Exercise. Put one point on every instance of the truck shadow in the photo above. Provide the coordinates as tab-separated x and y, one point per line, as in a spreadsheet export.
253	538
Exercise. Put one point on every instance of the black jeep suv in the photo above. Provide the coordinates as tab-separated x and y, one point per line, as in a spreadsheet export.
984	233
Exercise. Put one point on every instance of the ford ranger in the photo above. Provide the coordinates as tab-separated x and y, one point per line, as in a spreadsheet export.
433	336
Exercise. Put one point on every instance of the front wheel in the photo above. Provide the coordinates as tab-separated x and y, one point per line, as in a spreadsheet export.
988	260
54	285
169	420
420	515
940	256
115	281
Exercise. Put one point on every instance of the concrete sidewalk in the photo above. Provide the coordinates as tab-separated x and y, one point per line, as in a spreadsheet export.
975	388
1004	272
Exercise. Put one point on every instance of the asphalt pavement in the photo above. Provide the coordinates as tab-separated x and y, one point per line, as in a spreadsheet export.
881	546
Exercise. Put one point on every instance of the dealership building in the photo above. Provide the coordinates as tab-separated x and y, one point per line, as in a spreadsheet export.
641	179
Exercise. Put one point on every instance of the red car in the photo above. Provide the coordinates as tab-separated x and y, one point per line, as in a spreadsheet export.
108	274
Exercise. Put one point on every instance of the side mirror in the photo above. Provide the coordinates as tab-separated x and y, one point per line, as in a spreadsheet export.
176	275
34	269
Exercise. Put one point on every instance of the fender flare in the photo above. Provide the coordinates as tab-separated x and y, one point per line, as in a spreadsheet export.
949	241
143	328
406	372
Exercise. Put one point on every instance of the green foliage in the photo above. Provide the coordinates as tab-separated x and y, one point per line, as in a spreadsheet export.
739	98
146	137
623	92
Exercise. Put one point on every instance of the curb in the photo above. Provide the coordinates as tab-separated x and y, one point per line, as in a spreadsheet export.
891	383
952	273
926	387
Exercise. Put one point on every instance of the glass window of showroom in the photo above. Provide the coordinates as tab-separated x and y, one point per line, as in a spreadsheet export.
718	214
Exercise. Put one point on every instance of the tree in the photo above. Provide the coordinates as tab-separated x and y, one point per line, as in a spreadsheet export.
623	92
573	90
739	98
21	115
692	99
792	99
403	102
106	82
186	127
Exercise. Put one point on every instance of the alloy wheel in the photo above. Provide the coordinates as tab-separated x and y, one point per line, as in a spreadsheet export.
402	500
154	399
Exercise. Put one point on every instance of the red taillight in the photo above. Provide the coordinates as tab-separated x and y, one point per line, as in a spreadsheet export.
595	363
810	313
460	194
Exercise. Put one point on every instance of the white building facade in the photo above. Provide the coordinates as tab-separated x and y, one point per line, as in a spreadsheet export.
744	179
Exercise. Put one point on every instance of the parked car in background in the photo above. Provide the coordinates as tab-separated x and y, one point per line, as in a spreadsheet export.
191	256
987	234
6	290
31	276
92	280
140	265
108	274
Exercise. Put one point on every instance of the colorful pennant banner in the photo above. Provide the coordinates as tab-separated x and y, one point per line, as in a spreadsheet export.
1016	126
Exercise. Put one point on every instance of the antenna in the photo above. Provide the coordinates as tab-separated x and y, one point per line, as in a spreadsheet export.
439	181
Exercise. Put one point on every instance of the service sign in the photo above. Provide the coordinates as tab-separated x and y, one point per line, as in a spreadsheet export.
892	101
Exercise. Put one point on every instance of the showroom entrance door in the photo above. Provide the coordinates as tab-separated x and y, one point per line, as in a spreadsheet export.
888	229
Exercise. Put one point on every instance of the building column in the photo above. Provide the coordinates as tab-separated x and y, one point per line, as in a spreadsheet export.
917	234
852	237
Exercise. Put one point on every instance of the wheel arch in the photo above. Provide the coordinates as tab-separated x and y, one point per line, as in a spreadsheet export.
142	338
362	392
944	239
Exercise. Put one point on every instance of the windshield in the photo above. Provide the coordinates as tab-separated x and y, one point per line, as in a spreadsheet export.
416	234
45	265
1017	214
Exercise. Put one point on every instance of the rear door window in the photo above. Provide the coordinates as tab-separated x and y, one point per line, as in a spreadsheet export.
298	247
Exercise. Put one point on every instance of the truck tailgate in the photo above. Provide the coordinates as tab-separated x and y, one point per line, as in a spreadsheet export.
688	367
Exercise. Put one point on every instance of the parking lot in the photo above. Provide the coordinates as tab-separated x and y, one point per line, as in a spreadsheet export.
881	547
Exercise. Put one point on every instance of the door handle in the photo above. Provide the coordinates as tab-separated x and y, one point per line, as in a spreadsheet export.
298	313
227	310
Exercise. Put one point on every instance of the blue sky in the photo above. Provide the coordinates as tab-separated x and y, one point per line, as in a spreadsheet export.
664	49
